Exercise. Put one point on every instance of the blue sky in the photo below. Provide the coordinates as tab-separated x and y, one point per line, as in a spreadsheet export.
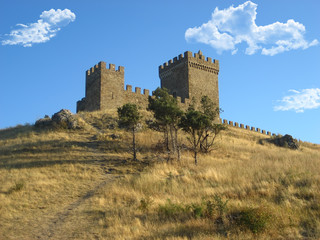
269	54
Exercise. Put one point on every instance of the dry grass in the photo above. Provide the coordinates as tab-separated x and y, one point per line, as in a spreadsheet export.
82	185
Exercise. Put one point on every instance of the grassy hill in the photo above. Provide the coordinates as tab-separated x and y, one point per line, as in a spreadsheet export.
82	184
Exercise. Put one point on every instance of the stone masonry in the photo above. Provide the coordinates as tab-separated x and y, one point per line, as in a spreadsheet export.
186	76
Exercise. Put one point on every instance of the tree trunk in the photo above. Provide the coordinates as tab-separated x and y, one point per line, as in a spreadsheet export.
172	140
177	143
166	137
195	145
134	144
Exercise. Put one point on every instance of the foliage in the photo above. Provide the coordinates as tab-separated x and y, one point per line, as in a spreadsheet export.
209	108
167	114
170	210
194	123
145	204
200	126
254	219
129	117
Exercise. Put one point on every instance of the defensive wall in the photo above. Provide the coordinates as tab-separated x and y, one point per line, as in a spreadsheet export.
186	76
246	127
105	90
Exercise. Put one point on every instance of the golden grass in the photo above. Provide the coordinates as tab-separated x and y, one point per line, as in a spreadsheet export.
82	185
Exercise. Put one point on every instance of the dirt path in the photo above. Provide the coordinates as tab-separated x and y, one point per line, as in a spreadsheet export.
58	227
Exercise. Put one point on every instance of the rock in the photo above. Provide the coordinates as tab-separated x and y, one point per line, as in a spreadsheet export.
65	119
43	122
285	141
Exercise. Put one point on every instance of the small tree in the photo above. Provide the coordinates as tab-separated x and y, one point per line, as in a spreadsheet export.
211	111
129	117
195	124
167	114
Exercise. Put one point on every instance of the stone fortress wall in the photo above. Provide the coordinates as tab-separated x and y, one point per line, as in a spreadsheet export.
187	76
241	125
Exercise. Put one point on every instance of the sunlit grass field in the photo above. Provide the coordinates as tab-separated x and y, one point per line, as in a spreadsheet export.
82	184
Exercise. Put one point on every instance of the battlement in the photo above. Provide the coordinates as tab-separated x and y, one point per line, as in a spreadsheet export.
254	129
186	76
137	90
103	66
197	60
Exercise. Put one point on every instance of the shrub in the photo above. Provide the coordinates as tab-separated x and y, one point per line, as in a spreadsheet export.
145	204
16	188
197	210
254	219
171	210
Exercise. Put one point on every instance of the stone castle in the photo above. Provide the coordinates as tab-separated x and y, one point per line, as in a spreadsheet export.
186	77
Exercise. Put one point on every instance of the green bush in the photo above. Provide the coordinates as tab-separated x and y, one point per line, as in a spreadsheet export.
197	210
254	219
171	210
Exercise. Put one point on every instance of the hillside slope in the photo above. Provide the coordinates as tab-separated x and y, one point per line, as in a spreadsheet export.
81	184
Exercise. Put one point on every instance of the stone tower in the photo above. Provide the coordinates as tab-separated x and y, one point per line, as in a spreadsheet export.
191	76
104	88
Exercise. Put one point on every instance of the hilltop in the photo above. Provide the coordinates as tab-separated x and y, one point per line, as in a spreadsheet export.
82	184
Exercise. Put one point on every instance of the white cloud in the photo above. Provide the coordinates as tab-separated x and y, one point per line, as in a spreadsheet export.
234	25
300	100
43	30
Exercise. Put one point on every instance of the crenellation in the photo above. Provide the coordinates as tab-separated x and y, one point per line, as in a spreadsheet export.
102	65
112	66
187	54
241	125
247	127
236	124
146	92
264	132
231	123
137	90
128	88
258	130
269	133
225	121
188	75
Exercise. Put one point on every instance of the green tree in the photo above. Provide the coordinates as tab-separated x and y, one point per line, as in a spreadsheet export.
212	130
195	123
129	117
167	114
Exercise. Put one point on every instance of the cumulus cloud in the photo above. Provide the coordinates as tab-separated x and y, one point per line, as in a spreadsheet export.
43	30
299	101
235	25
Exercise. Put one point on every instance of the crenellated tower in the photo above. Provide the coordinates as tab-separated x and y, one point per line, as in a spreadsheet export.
186	76
104	88
191	76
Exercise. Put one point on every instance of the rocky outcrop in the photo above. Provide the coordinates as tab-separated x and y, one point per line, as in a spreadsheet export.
286	141
62	119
